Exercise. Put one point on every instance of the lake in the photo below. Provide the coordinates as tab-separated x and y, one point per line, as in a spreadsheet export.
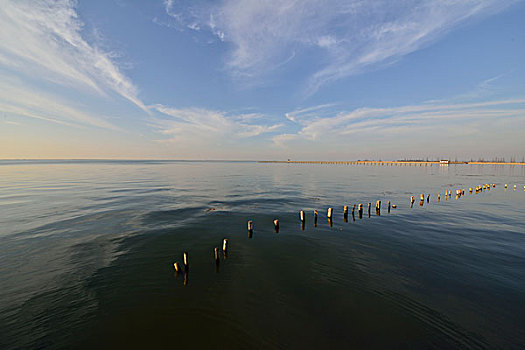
87	251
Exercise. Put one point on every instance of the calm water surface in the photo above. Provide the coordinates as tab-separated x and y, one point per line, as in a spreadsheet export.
87	252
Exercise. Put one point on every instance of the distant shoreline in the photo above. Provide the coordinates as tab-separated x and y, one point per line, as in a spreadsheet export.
387	162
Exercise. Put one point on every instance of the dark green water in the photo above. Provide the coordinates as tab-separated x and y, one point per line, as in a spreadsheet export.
87	252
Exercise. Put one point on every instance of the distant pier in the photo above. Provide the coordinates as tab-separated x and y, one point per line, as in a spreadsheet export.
386	162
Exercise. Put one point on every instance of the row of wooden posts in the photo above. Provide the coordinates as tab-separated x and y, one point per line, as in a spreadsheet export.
302	216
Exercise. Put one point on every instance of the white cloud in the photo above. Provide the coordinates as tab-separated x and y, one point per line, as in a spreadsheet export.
310	112
202	127
349	36
19	99
42	39
366	123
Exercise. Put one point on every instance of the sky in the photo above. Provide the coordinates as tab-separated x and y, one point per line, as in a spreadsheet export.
254	79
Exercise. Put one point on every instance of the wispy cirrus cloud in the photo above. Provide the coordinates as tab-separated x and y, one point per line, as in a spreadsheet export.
346	36
432	119
42	40
20	99
203	127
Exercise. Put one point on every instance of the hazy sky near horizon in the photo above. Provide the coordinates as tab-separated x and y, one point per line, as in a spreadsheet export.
231	79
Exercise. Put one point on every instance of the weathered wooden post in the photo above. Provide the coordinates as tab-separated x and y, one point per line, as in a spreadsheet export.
276	225
302	216
186	261
176	266
428	198
369	205
250	229
389	206
329	214
439	197
360	211
216	253
225	246
345	213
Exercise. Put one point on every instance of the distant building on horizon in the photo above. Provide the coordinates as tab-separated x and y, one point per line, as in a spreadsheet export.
444	161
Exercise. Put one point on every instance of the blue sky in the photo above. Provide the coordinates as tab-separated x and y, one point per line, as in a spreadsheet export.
262	79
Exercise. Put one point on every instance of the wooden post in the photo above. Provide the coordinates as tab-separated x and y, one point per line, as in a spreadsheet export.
439	197
302	216
176	266
250	226
225	246
428	198
422	197
216	253
315	218
470	190
360	211
345	209
186	261
412	200
389	206
329	213
505	185
276	225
